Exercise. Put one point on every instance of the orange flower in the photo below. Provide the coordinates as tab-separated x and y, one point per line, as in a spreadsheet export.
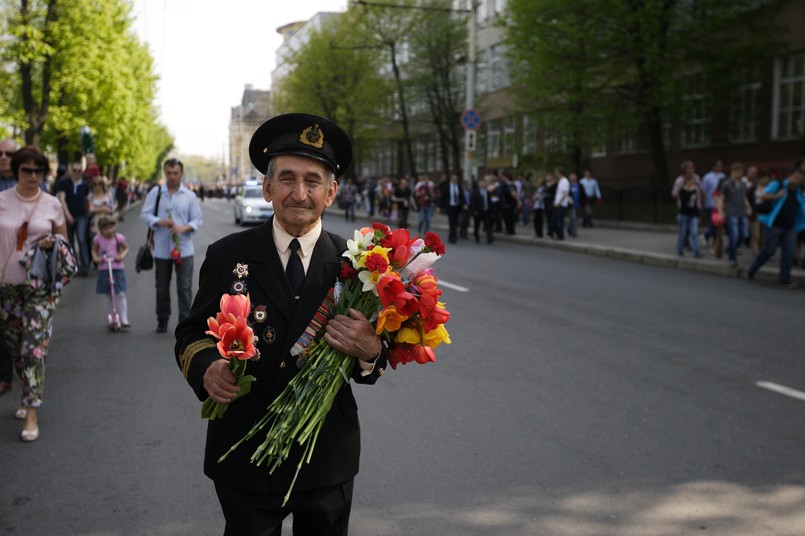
389	319
236	340
231	328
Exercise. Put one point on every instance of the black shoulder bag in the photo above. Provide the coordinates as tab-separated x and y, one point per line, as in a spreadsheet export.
145	259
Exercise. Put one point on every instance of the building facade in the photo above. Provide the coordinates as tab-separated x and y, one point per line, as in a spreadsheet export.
244	120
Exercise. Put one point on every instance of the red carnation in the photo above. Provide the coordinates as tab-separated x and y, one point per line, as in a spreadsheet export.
347	272
434	243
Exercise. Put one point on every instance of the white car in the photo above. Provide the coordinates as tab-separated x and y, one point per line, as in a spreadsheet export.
251	206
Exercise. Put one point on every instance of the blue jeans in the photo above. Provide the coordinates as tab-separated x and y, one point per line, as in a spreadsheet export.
184	287
425	214
78	232
737	231
786	239
688	227
572	219
711	231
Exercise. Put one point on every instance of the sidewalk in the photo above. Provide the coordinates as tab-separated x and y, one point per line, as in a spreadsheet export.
633	242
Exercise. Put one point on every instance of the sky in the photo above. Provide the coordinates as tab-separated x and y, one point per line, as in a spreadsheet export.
205	52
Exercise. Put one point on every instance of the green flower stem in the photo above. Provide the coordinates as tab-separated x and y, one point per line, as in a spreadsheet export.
211	409
297	415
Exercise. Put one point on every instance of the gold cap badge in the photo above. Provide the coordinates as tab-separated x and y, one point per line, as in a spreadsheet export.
312	136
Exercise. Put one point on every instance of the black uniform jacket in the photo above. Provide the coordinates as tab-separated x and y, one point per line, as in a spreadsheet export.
337	451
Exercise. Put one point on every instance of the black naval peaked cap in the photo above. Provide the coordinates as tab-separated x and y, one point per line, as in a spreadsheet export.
301	135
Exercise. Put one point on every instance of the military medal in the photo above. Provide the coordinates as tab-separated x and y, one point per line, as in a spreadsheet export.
269	334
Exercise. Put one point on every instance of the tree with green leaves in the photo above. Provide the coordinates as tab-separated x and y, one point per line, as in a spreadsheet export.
438	37
76	64
589	61
336	76
386	27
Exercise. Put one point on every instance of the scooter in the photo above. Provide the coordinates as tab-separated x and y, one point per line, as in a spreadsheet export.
114	317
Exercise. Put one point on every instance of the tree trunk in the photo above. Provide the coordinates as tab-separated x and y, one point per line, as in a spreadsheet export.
403	113
35	112
660	181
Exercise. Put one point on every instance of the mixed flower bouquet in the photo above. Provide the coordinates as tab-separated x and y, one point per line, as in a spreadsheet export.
388	277
236	343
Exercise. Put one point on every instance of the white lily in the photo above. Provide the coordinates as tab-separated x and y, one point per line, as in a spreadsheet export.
357	246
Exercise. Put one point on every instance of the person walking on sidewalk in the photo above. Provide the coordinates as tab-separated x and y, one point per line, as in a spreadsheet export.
575	203
538	203
452	202
710	183
178	217
735	206
480	208
424	194
782	224
688	202
591	194
560	202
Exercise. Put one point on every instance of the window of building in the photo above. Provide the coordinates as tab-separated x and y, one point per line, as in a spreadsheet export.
554	138
493	139
530	135
489	9
697	120
498	68
745	107
509	130
789	97
420	154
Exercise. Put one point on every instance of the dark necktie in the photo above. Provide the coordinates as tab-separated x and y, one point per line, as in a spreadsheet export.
294	270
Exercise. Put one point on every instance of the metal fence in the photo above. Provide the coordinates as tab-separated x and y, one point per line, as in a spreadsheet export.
637	205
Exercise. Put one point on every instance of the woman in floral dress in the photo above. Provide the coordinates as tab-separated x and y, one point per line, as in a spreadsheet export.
28	217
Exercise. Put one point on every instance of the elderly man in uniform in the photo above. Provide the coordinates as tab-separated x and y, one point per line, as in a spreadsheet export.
301	155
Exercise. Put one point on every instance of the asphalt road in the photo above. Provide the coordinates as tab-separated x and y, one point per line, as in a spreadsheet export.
582	396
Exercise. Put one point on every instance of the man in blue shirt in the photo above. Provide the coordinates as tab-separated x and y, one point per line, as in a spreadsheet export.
782	224
710	183
177	218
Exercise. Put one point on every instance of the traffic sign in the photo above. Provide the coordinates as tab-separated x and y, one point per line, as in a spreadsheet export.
471	119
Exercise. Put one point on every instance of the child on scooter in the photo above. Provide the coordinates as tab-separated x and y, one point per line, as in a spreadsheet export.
110	246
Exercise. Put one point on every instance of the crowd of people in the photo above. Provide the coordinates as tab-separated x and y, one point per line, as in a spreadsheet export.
495	203
59	223
754	209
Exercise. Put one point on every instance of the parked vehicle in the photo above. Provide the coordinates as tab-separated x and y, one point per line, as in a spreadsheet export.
251	207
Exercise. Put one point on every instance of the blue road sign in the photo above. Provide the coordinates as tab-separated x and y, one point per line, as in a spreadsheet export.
471	119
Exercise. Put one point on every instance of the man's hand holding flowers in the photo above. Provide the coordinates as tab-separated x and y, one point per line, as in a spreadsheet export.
354	336
225	379
219	382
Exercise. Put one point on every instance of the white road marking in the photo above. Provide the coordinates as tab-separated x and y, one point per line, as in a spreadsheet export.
783	390
444	283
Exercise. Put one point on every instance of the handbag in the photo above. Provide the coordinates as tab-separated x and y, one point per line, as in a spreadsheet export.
145	259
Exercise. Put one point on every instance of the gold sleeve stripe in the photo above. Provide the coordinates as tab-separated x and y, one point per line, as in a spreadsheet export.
190	352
